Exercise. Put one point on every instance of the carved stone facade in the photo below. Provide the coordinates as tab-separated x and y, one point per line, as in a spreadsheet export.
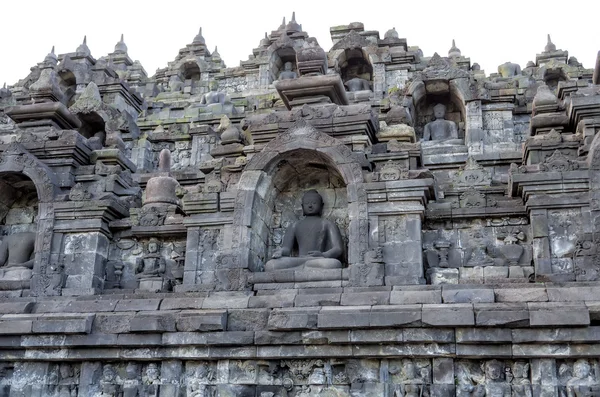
138	215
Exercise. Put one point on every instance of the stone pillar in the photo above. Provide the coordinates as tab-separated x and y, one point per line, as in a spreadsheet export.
170	374
541	244
544	382
89	384
398	224
141	155
474	133
379	85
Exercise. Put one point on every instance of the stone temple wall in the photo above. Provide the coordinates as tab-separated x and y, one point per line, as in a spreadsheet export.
154	242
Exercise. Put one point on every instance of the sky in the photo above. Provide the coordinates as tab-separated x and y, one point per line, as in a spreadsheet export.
490	33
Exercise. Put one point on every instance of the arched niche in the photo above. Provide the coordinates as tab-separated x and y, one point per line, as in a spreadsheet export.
281	51
426	94
18	166
19	204
272	185
68	85
354	62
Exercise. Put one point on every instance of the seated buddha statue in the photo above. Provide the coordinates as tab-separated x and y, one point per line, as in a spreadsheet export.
287	73
318	240
16	256
440	129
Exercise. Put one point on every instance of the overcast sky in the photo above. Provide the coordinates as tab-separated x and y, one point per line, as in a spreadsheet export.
490	33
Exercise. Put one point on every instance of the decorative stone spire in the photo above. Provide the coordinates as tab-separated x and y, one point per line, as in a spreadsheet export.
121	48
51	57
83	48
215	53
391	34
550	47
293	26
265	42
282	27
454	51
199	39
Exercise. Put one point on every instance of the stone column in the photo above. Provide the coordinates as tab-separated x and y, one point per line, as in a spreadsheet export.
29	379
398	222
474	133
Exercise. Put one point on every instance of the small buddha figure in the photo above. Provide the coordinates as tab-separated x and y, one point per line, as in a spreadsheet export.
213	96
67	385
131	384
109	383
17	256
175	84
582	381
357	84
287	73
495	385
151	267
440	129
521	385
319	240
509	69
151	380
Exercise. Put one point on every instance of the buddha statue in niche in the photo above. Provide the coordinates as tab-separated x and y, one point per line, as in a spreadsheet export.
440	129
319	240
16	256
287	73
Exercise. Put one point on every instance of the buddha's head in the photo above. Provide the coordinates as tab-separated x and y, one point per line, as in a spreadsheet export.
153	246
214	86
439	111
288	66
312	203
493	370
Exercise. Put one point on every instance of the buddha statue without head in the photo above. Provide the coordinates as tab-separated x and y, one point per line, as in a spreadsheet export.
213	96
287	73
318	240
355	83
440	129
16	256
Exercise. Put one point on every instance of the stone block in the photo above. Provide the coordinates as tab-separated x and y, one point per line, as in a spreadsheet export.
67	325
502	314
429	335
317	300
112	323
573	294
205	320
17	327
448	315
470	295
291	320
318	337
181	303
270	301
394	316
221	301
483	335
559	317
482	350
139	339
439	276
247	319
365	298
136	305
376	336
412	297
16	307
277	338
153	323
343	318
521	294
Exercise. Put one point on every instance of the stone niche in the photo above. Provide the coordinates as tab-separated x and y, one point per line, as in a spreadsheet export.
19	207
425	113
298	172
279	57
271	188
